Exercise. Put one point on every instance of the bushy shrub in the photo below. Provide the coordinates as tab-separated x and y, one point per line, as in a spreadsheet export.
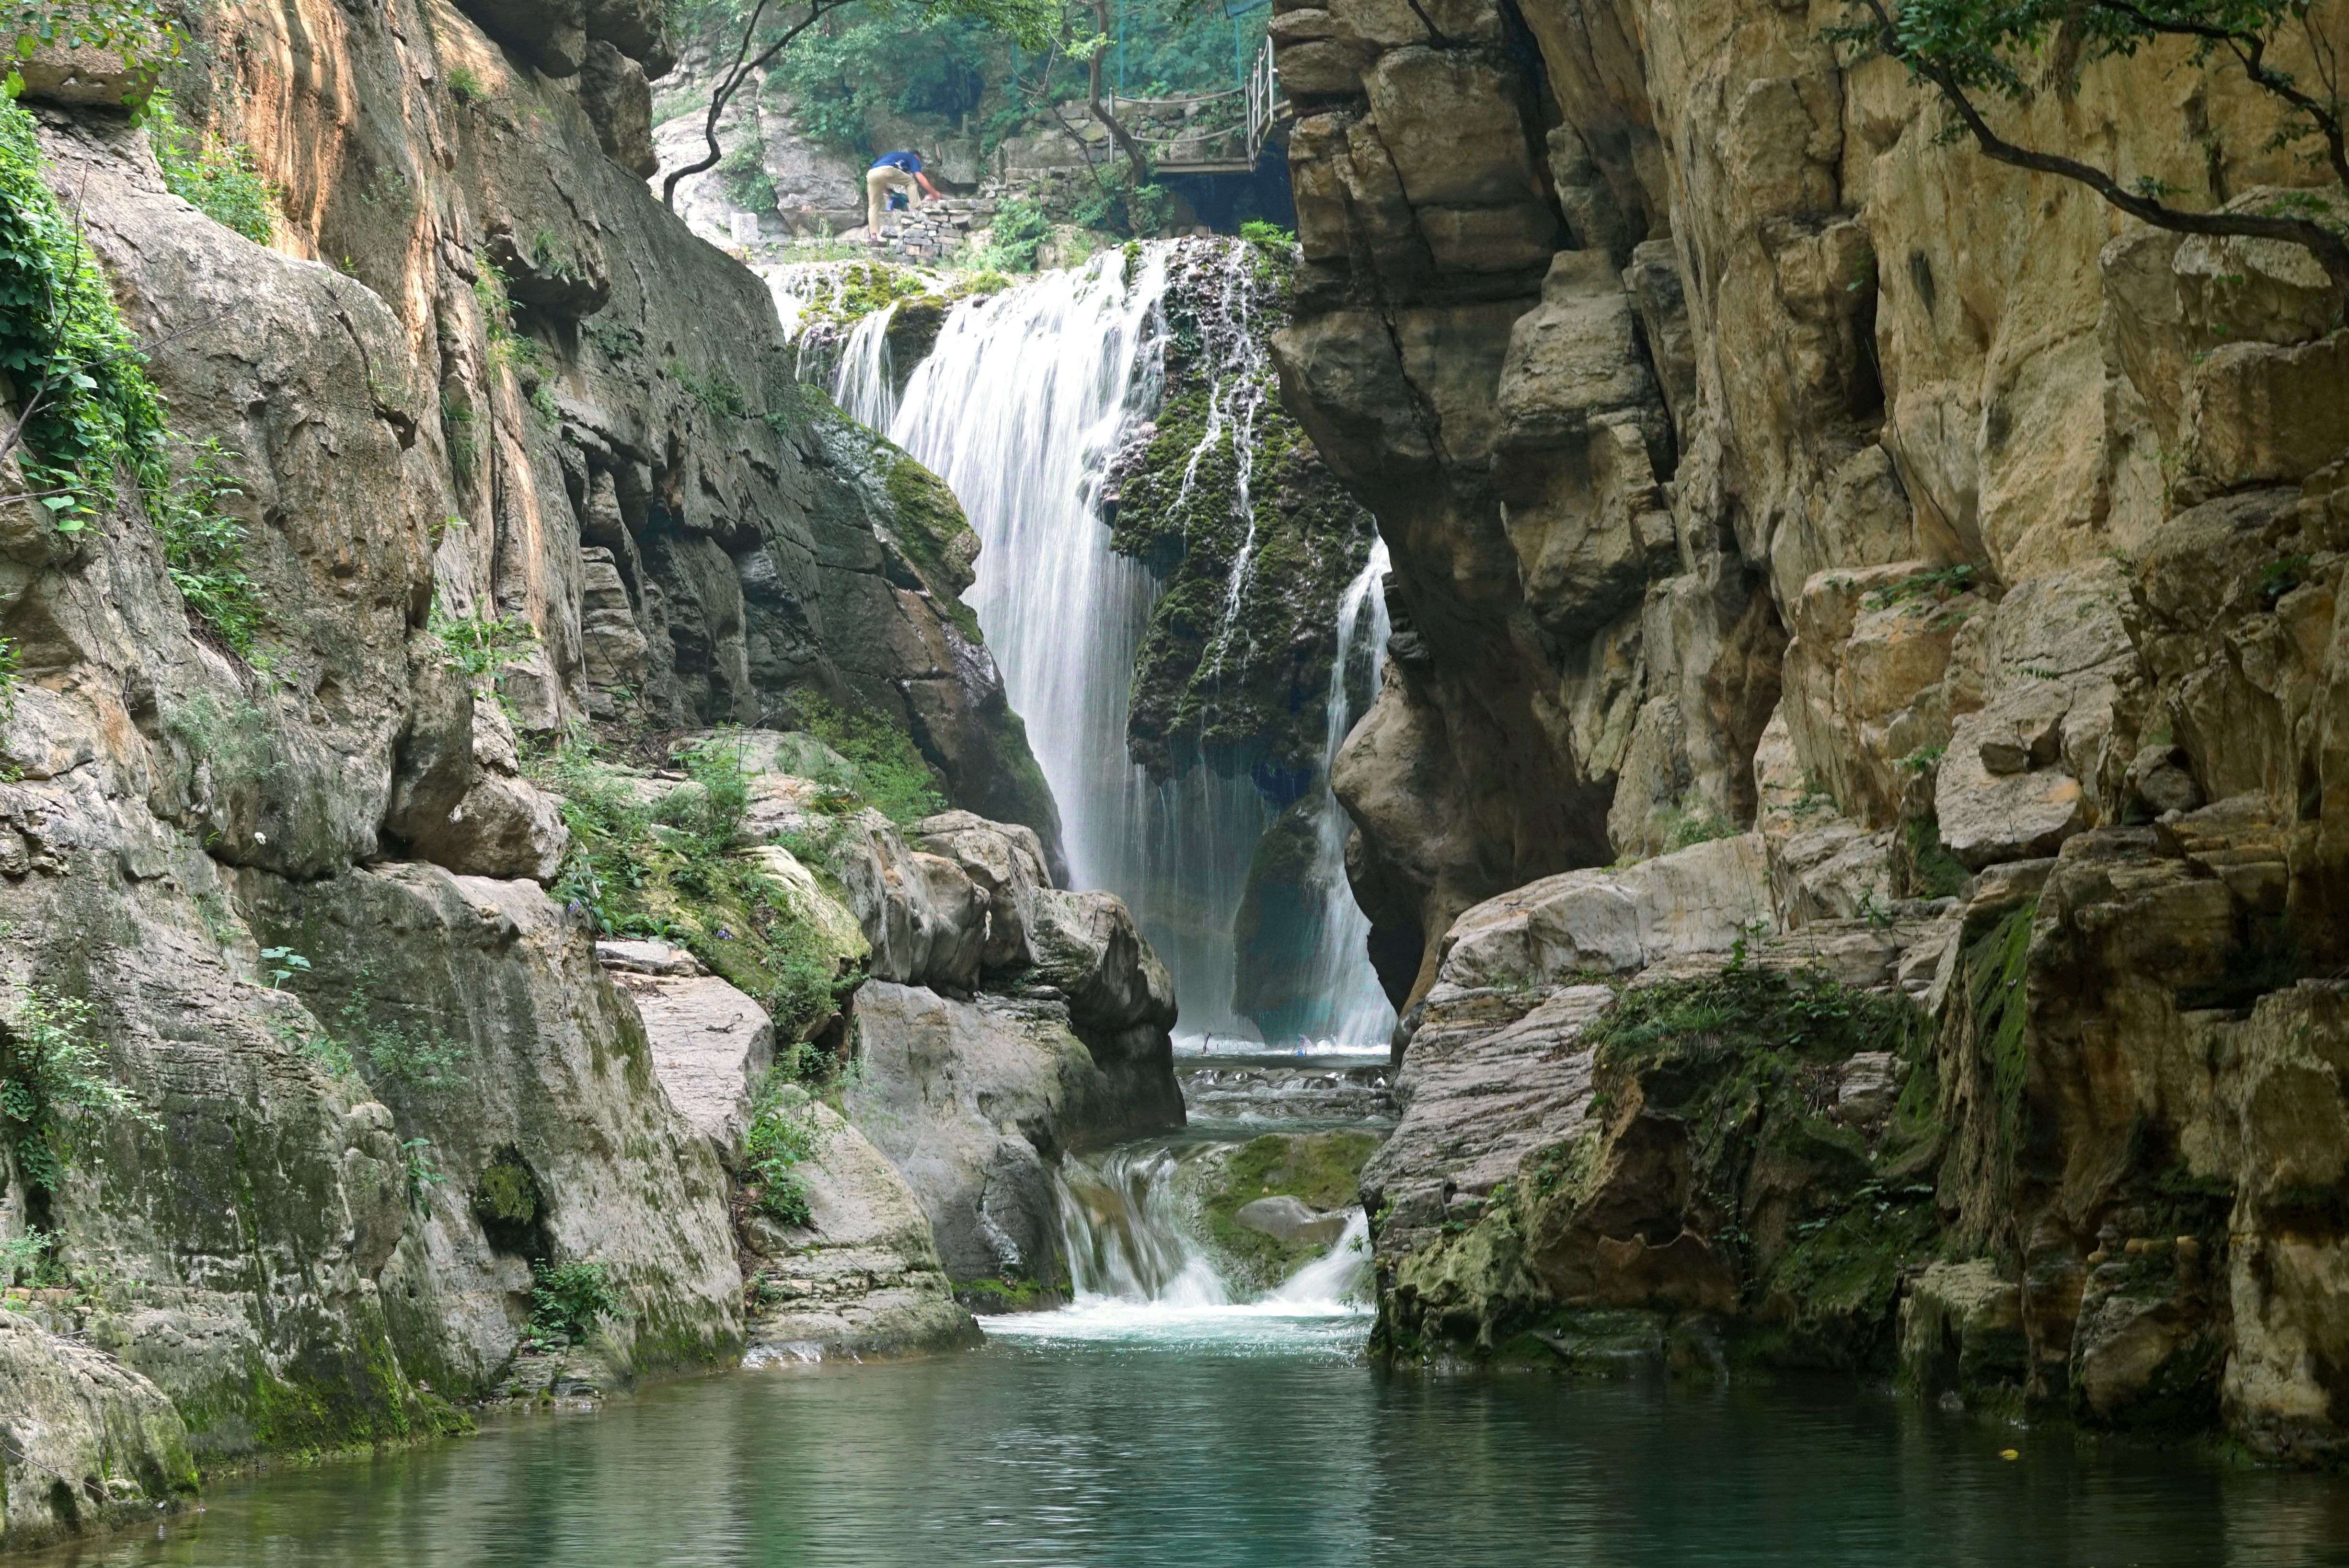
215	177
783	1134
88	407
1020	228
567	1300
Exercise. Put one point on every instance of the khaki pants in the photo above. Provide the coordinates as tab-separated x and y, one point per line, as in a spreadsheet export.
878	184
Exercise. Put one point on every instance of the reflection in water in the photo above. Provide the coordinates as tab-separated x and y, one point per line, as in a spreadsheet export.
1279	1450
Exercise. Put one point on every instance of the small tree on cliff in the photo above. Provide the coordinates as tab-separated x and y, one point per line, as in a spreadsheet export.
1971	50
137	31
761	29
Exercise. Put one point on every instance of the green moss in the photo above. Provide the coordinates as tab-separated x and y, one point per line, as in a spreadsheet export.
1744	1062
507	1193
684	881
1996	966
327	1402
1247	683
987	1295
930	528
1932	871
1840	1280
1323	1169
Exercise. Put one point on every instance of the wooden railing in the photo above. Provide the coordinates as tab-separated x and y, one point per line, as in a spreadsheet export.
1262	108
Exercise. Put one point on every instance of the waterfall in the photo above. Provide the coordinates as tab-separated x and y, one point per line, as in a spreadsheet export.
865	387
1018	408
1121	1223
1135	1259
1359	1010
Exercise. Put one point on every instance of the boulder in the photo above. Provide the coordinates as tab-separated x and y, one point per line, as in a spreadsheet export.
636	30
1088	948
2256	411
1961	1328
1698	900
863	1277
476	1010
1006	861
926	920
2048	693
651	956
972	1101
503	828
711	1046
85	1442
619	104
1287	1218
77	76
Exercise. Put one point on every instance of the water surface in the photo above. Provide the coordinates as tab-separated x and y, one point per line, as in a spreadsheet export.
1216	1437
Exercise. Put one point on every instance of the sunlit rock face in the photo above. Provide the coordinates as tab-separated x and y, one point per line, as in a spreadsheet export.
476	377
1763	458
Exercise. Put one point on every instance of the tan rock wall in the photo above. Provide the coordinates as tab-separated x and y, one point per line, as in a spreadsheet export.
1985	540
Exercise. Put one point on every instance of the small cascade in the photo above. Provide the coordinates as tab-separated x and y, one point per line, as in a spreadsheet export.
865	384
1243	383
1338	1276
1130	1236
1359	1010
1121	1220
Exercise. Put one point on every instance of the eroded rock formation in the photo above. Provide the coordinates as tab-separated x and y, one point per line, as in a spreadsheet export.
1752	453
480	391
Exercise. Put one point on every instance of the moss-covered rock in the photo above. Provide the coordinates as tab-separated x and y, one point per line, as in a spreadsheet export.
1714	1178
893	554
1321	1169
1225	500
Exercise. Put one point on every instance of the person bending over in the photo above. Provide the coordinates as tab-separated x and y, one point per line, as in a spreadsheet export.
891	171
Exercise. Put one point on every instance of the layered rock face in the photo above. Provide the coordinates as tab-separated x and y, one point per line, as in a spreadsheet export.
480	378
1751	453
983	1022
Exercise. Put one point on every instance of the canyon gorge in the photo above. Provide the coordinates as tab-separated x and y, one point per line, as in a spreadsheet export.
1698	739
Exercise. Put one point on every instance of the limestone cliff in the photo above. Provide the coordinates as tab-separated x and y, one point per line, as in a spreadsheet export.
1751	453
311	1079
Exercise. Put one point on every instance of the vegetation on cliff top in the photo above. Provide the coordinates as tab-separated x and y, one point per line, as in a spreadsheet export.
86	408
1967	50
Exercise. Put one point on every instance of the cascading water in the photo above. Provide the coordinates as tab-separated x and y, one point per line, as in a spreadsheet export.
1018	407
865	385
1137	1263
1359	1010
1121	1221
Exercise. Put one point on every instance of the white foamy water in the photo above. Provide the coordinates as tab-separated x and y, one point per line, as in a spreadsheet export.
1019	406
1360	1013
1141	1273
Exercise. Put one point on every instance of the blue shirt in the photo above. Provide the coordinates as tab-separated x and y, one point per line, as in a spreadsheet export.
910	162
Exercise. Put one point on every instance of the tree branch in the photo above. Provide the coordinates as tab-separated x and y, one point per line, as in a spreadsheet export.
1135	156
2330	250
736	75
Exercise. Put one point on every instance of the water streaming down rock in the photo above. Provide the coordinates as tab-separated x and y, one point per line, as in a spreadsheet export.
1339	970
865	384
1121	1221
1130	1240
1018	408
